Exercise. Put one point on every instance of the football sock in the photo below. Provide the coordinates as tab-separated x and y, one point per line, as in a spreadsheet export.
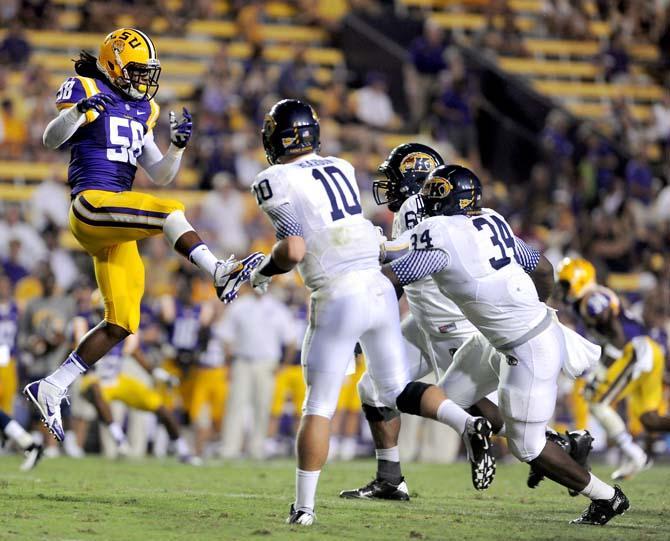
305	488
67	372
203	258
181	447
117	433
15	432
388	465
598	490
450	414
628	447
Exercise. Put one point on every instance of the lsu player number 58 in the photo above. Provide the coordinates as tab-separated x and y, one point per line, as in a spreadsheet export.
107	115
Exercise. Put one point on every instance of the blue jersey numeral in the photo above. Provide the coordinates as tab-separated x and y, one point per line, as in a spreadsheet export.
501	237
337	178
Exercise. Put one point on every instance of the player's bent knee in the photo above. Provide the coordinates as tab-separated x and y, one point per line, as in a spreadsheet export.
322	410
409	400
379	414
526	440
175	225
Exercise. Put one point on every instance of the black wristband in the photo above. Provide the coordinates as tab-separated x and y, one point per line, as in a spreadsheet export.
270	268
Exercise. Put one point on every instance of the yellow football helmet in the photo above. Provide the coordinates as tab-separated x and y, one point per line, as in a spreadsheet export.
576	276
128	58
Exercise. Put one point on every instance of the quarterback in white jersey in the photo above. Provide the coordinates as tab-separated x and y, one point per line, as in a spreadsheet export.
314	204
470	252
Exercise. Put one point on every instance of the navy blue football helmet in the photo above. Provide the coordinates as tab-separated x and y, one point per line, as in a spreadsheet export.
291	128
451	189
405	169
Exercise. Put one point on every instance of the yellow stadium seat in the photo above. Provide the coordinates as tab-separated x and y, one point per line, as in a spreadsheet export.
550	68
560	47
602	110
292	33
279	10
562	89
218	29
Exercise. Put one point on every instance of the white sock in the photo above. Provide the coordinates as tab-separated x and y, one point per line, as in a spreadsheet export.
392	454
628	447
450	414
305	488
16	433
598	490
181	447
203	258
67	372
117	433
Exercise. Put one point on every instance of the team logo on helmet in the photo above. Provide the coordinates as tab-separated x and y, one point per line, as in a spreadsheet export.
118	45
437	187
465	203
269	125
417	161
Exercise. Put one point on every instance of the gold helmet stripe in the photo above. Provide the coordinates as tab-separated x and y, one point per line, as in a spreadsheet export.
150	44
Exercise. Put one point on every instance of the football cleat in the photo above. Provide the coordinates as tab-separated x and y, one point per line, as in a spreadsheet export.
630	467
477	439
33	455
191	460
304	517
577	444
230	275
379	489
600	512
47	397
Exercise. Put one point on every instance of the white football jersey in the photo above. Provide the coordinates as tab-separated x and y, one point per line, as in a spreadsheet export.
434	312
319	196
483	277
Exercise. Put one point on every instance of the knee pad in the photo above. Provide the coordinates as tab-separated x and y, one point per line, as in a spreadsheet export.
375	414
526	440
409	400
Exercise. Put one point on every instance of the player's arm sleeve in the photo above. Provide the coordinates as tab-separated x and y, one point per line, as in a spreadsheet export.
418	264
396	248
161	168
69	119
526	256
271	193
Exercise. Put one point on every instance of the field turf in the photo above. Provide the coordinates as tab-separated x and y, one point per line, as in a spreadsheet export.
96	499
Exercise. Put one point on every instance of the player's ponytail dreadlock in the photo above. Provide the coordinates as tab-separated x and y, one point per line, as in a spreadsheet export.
86	66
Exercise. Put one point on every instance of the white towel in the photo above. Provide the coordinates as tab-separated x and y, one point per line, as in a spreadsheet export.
582	355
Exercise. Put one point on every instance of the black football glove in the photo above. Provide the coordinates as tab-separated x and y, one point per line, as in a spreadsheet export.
98	102
180	131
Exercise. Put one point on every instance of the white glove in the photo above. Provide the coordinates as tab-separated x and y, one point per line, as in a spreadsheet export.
162	375
259	281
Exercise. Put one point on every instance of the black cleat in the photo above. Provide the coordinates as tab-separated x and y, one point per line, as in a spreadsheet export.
577	444
379	489
600	512
477	439
304	517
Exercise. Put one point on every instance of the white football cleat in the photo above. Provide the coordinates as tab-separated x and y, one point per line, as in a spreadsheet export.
33	455
304	517
631	467
231	274
47	397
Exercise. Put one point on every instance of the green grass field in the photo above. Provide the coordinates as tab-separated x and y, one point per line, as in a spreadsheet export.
97	499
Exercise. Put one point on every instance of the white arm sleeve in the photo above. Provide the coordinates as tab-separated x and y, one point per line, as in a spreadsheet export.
161	169
61	128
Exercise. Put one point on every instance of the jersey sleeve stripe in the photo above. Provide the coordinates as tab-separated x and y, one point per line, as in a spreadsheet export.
91	89
285	221
153	117
418	264
526	256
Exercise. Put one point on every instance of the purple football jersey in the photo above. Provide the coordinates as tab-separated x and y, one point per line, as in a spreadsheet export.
104	152
9	327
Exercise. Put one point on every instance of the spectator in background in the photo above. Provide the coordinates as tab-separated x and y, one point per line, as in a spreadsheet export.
427	62
13	226
59	259
15	49
454	118
639	178
372	104
254	362
14	132
615	61
660	128
223	213
296	77
11	265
